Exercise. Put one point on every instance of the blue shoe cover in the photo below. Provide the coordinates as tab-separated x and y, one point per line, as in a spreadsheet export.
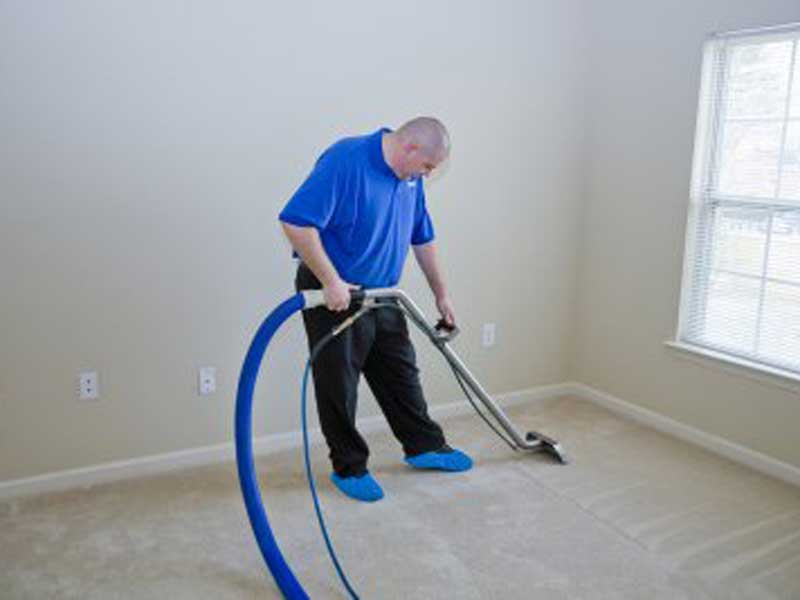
455	461
362	487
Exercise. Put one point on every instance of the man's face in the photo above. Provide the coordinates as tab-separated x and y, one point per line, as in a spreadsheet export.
417	162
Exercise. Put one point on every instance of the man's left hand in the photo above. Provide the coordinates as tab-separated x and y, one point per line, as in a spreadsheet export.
446	310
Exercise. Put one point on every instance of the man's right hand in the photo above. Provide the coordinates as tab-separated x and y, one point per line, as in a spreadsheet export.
337	295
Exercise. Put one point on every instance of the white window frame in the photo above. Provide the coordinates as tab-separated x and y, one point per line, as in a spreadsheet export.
709	117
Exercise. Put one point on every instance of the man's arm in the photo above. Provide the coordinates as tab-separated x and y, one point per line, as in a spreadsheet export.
306	242
428	262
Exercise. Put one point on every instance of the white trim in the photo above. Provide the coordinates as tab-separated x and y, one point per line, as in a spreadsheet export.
206	455
740	454
782	378
750	201
790	29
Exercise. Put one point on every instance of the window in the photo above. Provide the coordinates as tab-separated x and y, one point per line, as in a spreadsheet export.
741	286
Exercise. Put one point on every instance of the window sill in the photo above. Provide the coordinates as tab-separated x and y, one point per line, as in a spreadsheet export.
770	375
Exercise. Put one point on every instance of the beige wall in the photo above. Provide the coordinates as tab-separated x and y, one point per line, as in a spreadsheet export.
146	148
645	69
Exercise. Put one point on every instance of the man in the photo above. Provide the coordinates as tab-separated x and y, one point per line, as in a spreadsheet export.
352	222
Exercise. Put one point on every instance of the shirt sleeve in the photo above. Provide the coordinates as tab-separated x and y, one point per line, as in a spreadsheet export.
423	226
314	203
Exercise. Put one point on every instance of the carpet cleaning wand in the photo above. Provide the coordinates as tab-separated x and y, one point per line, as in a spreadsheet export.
440	335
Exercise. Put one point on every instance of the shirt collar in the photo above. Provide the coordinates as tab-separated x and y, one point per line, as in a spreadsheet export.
376	152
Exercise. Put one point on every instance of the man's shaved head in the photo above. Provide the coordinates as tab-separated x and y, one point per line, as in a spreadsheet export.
417	147
428	133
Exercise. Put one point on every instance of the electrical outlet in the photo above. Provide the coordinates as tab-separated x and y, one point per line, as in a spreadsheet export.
488	335
89	385
207	381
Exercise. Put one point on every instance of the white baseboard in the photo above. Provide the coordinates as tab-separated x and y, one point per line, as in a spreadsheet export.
755	460
171	461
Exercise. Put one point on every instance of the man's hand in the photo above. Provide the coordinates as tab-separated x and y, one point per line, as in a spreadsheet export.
426	257
446	310
337	295
306	241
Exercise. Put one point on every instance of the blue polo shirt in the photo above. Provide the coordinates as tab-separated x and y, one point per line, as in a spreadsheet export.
367	217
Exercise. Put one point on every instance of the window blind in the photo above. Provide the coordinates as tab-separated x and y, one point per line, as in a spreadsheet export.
741	286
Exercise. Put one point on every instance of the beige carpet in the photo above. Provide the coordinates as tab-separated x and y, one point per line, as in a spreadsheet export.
636	515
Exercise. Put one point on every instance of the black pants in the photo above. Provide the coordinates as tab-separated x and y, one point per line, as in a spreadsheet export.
377	344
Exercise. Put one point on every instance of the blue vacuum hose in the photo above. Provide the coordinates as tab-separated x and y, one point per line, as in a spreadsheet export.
286	580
